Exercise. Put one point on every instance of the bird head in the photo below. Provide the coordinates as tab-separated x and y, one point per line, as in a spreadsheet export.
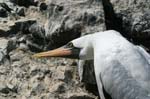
80	48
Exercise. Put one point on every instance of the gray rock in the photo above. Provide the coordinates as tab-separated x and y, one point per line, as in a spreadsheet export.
20	11
13	88
4	50
33	46
58	22
25	3
4	89
6	7
38	70
4	44
81	95
52	96
68	74
34	78
37	88
38	34
3	12
22	26
37	31
3	33
66	24
58	88
7	89
135	19
43	6
1	56
11	45
87	74
31	36
61	34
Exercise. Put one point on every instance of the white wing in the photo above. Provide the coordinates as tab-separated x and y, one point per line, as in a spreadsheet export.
144	53
80	69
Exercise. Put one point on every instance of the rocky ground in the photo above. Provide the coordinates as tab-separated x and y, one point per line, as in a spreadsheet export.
29	26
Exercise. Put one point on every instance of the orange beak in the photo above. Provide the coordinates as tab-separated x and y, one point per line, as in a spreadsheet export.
60	52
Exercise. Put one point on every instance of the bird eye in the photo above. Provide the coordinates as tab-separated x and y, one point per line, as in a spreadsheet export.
70	45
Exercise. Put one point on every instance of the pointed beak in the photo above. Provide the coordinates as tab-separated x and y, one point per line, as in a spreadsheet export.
60	52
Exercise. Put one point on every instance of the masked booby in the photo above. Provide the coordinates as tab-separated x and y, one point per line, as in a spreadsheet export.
121	68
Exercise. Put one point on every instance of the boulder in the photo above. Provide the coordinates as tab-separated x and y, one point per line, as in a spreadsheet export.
67	21
135	19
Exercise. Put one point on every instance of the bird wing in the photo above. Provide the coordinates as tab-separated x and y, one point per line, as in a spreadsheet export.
80	69
144	53
120	84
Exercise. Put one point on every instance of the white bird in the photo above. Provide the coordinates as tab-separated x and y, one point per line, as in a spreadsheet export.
121	68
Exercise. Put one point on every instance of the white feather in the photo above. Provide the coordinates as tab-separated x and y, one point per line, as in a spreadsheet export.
122	68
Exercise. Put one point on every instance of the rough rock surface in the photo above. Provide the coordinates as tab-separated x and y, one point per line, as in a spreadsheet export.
3	12
28	78
66	21
25	3
28	26
135	16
